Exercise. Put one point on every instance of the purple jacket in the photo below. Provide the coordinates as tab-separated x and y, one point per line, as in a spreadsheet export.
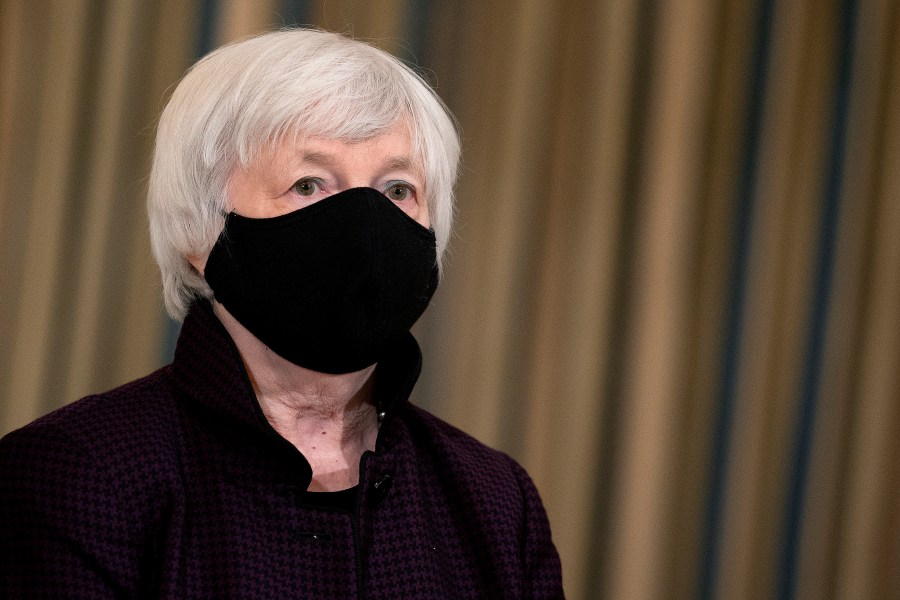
176	486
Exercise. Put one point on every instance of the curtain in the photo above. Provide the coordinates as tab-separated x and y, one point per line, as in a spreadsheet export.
673	290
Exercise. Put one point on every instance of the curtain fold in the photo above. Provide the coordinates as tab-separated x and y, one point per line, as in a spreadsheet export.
673	289
80	294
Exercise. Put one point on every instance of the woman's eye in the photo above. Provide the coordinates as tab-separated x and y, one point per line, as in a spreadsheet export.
398	192
306	187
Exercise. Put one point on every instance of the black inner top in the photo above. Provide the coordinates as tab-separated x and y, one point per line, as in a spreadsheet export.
343	499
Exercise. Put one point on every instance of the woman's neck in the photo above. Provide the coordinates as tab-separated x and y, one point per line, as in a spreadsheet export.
331	419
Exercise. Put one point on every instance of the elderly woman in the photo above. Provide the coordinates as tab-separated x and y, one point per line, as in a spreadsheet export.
300	202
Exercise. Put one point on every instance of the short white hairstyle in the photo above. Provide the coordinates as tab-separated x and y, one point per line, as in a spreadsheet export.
244	96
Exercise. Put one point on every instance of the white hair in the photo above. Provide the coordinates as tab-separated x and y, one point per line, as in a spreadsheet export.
244	96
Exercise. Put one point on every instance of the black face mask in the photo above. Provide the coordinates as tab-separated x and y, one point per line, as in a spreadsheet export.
328	286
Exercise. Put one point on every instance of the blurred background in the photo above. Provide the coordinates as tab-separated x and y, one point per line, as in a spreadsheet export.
673	292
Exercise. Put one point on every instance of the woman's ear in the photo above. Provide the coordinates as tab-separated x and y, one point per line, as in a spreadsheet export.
198	262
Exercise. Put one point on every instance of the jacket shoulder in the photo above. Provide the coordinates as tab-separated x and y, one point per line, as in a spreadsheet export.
491	497
486	475
123	420
121	444
454	443
84	491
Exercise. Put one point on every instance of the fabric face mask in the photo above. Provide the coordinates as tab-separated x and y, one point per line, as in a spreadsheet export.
328	286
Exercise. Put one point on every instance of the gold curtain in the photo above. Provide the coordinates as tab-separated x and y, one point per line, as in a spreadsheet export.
673	292
82	84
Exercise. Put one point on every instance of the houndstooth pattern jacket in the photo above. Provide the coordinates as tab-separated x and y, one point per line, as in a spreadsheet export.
176	486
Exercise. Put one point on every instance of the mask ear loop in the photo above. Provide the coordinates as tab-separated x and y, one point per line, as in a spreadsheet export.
226	216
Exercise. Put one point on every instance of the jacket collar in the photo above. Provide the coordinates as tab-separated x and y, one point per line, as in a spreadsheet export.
209	371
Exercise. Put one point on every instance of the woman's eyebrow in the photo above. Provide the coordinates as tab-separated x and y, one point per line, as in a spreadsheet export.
392	164
404	165
319	158
400	163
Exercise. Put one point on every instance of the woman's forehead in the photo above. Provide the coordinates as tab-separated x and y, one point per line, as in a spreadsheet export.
391	149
